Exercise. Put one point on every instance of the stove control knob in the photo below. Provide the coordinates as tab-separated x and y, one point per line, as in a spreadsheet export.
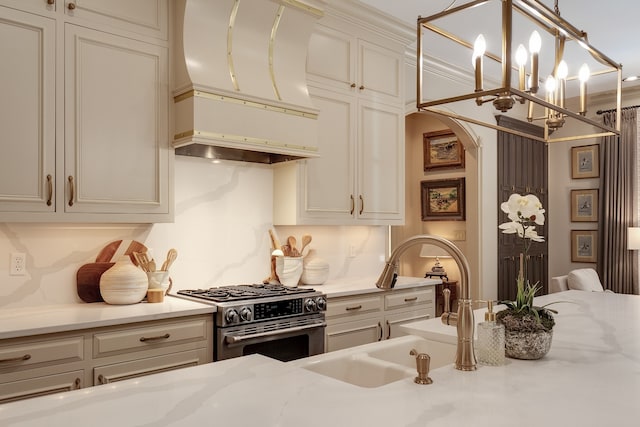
246	314
321	302
310	305
231	316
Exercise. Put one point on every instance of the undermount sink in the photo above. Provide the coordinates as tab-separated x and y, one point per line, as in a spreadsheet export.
381	363
360	370
441	353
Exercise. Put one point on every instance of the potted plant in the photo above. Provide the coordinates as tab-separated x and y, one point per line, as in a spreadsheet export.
528	328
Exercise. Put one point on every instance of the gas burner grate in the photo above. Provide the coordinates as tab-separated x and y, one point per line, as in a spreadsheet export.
243	292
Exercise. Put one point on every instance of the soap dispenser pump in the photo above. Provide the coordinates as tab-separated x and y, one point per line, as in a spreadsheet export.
490	345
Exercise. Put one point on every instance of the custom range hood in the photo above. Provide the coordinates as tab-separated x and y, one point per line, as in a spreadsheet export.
240	79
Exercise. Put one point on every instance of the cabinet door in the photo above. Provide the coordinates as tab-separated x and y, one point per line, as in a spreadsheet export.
116	138
38	6
380	177
393	322
27	112
329	179
380	73
353	333
40	386
146	17
331	60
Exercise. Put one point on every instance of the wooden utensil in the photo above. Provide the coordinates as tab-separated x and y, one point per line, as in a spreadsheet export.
306	239
171	257
292	244
275	243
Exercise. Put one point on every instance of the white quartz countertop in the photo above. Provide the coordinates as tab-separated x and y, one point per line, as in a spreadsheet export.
591	377
356	286
27	321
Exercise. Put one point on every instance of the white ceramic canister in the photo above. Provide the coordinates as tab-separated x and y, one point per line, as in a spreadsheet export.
315	270
289	270
124	283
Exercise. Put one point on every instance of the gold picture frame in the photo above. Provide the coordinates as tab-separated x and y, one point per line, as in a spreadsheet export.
584	246
585	161
442	150
584	205
443	200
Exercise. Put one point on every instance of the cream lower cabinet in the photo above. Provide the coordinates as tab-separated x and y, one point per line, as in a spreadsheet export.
46	364
366	318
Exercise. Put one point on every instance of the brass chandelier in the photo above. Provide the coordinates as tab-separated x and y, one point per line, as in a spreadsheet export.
541	90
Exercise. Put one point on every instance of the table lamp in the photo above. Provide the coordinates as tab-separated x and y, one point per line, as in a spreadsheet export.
432	251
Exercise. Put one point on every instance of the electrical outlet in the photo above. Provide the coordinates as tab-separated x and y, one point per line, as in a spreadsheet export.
18	264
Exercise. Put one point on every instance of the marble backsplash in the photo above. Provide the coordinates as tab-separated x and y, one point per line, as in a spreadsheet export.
222	216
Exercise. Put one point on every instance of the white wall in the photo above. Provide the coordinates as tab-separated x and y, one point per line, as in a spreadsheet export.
223	213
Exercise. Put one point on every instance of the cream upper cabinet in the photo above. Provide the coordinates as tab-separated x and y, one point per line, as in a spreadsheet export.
27	112
84	112
357	85
115	116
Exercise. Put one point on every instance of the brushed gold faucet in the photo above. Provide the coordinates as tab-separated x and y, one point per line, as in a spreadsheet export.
463	320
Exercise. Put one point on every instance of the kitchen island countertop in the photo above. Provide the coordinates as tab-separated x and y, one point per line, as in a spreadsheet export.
48	319
591	377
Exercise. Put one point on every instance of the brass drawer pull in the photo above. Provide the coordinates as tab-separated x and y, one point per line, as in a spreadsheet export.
102	379
353	205
159	337
361	205
51	1
380	327
49	189
71	190
355	307
411	299
16	359
71	5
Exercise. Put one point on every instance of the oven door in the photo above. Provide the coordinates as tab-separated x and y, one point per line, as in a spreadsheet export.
285	340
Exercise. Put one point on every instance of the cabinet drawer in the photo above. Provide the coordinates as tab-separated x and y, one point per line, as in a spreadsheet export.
65	350
353	306
353	333
142	338
151	365
40	386
408	299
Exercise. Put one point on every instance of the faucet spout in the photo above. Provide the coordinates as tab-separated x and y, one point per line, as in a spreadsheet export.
463	319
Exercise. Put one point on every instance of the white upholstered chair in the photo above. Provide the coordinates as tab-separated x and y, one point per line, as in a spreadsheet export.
582	279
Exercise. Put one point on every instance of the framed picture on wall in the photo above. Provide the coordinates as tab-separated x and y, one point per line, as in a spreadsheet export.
584	245
585	161
442	149
443	199
584	205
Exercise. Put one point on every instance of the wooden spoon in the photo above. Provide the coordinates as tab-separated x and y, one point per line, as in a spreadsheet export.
292	244
171	256
306	239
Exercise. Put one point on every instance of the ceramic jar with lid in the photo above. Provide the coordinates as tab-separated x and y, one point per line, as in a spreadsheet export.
315	270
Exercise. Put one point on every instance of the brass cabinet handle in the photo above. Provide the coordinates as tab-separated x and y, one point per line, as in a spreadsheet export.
102	379
380	327
159	337
361	205
355	307
353	85
388	330
49	189
51	1
71	5
410	299
16	359
361	87
71	190
353	205
77	383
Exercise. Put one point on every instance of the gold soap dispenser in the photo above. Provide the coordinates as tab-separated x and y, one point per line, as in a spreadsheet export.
490	344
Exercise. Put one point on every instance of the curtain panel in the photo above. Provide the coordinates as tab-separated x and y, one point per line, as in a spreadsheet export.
618	266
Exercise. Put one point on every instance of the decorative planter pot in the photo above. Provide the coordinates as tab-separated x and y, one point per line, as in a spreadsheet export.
527	345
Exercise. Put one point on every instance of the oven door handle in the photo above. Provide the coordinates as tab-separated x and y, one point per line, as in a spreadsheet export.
234	339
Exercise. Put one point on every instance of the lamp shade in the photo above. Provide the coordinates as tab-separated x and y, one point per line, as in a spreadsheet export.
633	238
433	251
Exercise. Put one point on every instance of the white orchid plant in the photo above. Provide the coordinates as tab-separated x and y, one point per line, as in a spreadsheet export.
524	213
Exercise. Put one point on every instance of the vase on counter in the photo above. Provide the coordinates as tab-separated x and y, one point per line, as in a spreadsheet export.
124	283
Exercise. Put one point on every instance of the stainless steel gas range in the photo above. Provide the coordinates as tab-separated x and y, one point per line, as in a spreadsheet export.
281	322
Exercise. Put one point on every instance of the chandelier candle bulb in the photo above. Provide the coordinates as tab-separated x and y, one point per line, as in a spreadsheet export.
561	77
521	60
479	48
535	42
583	76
